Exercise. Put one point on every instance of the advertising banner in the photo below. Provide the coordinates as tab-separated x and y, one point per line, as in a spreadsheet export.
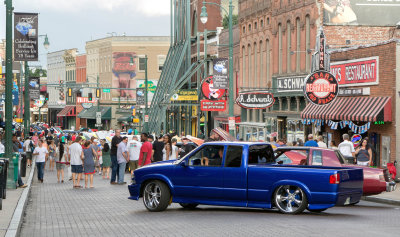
213	105
255	100
207	87
220	73
124	76
151	87
185	95
321	88
363	71
34	88
25	36
140	96
15	97
362	12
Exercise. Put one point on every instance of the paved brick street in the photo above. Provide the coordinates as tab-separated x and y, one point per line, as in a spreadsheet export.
58	210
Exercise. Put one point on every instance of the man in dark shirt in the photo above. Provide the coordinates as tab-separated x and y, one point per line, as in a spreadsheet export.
186	147
113	153
213	137
158	147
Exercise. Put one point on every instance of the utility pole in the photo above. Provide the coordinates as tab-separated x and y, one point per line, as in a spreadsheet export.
145	95
8	101
231	114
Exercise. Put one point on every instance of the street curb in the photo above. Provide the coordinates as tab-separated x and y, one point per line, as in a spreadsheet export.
16	221
382	200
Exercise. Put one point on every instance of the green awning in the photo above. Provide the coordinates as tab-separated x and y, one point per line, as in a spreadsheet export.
125	118
91	113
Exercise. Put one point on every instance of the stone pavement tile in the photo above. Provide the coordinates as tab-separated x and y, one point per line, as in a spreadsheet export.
9	205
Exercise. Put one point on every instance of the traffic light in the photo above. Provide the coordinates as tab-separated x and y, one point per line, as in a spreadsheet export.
90	96
98	93
133	112
69	92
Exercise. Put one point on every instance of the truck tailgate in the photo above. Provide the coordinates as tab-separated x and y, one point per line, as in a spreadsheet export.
350	187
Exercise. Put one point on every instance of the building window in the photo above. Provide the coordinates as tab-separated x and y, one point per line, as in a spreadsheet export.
262	23
280	48
161	61
244	30
142	63
249	66
261	80
255	25
255	66
267	20
308	68
267	52
243	65
289	47
298	43
249	27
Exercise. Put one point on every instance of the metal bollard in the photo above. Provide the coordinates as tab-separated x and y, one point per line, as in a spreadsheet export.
22	170
16	162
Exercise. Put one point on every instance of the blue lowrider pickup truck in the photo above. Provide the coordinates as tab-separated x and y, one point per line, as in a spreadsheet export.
244	174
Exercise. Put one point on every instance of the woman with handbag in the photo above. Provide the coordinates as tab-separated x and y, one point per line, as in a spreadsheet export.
364	154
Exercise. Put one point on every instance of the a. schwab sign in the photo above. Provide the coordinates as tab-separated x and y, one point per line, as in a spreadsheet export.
290	84
255	100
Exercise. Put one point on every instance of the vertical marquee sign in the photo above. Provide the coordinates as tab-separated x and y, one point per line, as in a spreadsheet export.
321	87
25	36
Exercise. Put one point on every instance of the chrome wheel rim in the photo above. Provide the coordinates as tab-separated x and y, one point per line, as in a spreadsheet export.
152	195
289	198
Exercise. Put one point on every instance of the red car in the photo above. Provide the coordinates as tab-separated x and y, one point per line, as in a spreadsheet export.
376	180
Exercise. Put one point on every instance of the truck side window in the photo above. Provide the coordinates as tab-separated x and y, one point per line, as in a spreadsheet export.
210	155
317	157
233	156
261	154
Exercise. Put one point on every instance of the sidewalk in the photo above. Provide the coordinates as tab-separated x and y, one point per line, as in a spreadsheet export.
392	198
11	204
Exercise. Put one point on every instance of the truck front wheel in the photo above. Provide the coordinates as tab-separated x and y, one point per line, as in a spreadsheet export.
290	199
156	196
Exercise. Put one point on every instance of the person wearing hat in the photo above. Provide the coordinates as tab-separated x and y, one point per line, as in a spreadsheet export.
186	147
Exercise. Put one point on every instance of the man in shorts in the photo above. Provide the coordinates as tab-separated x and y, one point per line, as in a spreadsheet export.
134	151
76	158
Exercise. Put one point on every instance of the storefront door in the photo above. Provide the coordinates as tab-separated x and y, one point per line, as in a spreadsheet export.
385	150
282	127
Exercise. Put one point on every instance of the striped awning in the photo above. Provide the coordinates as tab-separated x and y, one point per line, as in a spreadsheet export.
363	109
68	110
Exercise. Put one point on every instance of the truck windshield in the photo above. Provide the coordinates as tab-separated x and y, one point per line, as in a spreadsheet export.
261	154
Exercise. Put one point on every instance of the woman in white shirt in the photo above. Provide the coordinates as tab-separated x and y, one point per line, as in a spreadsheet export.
175	149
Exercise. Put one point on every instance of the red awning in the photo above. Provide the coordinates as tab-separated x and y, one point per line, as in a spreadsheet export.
69	110
363	109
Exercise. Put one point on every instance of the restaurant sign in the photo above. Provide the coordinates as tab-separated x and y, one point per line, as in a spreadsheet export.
208	90
358	72
290	84
255	100
321	87
213	105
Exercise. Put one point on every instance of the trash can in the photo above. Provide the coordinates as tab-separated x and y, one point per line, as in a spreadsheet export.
15	162
3	177
22	170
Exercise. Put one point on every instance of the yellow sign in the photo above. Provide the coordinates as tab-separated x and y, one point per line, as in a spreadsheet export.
133	112
19	120
185	95
135	120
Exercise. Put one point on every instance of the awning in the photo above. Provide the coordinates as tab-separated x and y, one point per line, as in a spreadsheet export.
363	109
91	113
68	110
125	118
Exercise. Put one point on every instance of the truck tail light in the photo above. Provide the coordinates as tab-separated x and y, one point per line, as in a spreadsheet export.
334	179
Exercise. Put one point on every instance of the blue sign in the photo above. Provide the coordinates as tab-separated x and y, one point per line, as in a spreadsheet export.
15	97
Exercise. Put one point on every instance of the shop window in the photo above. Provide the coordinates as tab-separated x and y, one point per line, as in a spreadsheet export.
284	104
302	104
275	107
293	104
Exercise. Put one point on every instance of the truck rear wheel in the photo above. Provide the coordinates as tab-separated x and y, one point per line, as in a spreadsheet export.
156	196
189	205
290	199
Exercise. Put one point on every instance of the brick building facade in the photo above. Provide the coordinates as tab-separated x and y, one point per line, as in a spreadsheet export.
80	79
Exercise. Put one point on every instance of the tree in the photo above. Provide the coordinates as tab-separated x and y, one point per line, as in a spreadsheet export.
37	73
225	21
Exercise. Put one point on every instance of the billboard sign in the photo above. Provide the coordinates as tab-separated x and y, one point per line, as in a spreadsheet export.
34	88
290	84
25	36
213	105
362	12
207	87
358	72
220	73
140	100
124	76
185	95
255	100
321	88
151	87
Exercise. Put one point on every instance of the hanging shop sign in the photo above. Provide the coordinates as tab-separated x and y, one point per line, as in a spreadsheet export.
363	71
81	100
34	88
25	36
345	91
321	87
356	140
290	84
208	90
220	73
255	100
185	95
140	100
213	105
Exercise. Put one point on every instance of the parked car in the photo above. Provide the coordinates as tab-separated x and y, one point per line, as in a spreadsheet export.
244	174
376	180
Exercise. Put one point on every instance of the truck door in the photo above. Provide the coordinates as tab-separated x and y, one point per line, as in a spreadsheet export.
234	174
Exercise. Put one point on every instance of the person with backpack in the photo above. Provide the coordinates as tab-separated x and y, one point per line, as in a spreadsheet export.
28	149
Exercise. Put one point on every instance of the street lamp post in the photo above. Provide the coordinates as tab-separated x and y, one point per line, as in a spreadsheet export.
9	79
145	94
203	19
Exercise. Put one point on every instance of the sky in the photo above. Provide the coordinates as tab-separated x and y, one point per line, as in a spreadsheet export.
70	23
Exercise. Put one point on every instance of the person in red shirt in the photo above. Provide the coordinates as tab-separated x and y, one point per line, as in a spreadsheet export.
145	150
73	137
